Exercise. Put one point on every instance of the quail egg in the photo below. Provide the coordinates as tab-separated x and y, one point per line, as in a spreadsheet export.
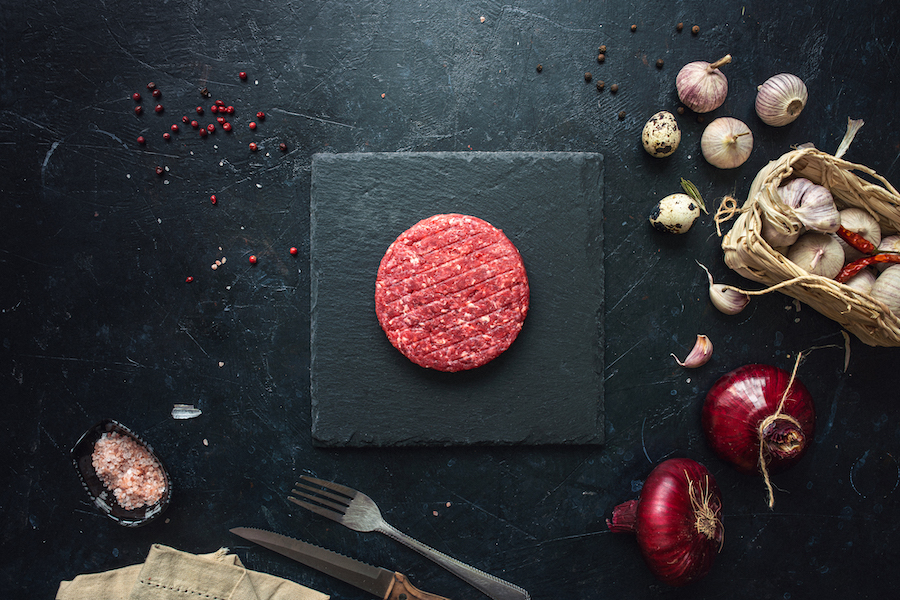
675	213
661	134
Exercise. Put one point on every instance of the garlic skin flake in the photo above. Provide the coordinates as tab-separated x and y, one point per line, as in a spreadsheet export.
726	143
780	99
725	298
699	355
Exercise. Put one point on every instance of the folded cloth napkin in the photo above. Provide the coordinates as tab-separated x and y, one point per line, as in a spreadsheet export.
170	574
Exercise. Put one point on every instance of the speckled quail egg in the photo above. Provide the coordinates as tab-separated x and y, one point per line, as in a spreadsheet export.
675	213
661	134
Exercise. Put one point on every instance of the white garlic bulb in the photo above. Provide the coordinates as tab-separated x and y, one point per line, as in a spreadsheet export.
887	288
817	254
862	281
813	204
726	143
701	85
889	244
862	222
780	99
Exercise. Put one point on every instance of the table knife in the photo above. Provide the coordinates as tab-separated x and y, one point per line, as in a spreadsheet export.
383	583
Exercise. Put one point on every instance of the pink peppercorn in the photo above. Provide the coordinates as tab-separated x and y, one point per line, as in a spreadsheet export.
213	109
213	199
220	120
174	128
202	132
141	140
293	251
282	146
151	86
138	110
167	136
195	124
220	103
226	126
160	171
159	108
243	76
136	97
211	128
252	259
253	146
252	125
230	110
157	93
189	279
199	110
261	116
185	120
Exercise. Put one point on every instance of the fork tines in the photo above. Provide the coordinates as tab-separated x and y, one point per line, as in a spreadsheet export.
333	507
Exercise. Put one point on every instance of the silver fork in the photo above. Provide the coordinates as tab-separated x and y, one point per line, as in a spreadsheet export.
357	511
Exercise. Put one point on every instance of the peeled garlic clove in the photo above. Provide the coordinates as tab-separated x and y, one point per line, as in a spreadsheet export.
675	213
726	143
701	85
780	99
700	354
726	299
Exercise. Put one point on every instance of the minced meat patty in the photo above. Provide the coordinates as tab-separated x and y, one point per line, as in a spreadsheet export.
451	292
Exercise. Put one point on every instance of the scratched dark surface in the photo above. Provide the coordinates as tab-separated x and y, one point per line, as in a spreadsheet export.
98	322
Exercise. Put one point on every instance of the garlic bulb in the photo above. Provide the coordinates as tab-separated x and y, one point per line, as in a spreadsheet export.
862	222
862	281
701	85
726	143
888	245
817	254
887	288
699	355
727	299
780	99
813	204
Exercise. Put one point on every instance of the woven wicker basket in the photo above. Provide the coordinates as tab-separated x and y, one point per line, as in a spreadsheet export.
747	253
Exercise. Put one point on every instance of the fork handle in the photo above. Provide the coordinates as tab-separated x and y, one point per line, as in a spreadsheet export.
491	586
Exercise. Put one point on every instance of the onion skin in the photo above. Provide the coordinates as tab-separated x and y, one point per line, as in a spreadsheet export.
665	521
738	403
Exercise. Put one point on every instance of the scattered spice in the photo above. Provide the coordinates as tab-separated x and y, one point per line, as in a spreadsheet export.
540	68
695	29
660	63
205	93
195	124
203	132
243	76
185	120
230	110
633	28
587	76
213	109
252	259
293	251
282	146
601	57
159	170
700	119
138	110
174	128
136	97
679	27
220	103
226	126
261	116
602	49
213	199
600	85
621	115
141	140
128	470
159	108
151	86
189	279
614	88
157	93
680	110
167	136
252	125
253	147
199	110
211	128
220	120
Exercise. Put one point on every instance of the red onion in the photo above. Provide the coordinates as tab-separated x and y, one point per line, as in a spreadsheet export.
677	520
760	419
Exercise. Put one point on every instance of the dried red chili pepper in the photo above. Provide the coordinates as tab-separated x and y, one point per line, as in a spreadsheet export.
858	265
856	240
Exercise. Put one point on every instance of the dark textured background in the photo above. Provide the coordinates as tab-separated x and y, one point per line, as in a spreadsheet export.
97	320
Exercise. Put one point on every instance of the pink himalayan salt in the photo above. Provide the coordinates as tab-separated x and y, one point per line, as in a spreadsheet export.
128	470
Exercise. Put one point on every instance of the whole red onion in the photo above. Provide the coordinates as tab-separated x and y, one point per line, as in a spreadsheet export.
677	521
752	423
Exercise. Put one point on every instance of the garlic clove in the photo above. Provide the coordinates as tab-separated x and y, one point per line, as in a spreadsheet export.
725	298
701	86
699	355
726	143
780	99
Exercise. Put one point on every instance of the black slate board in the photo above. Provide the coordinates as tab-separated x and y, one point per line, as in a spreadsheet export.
547	388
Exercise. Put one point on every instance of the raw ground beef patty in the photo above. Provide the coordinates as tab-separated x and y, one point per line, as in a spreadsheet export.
451	292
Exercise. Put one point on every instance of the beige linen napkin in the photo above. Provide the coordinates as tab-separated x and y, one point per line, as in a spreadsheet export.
170	574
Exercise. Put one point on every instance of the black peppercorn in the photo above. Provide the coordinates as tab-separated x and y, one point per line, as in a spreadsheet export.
601	57
660	63
614	88
695	29
540	68
633	28
680	110
588	76
621	115
600	85
602	49
679	27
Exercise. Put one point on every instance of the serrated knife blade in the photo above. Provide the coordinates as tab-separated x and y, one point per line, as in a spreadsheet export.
380	582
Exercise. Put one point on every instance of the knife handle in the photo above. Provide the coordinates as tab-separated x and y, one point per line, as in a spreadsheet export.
402	589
